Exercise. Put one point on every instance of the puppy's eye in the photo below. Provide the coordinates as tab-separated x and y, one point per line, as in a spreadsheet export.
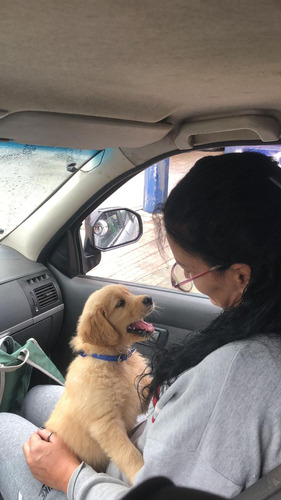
121	303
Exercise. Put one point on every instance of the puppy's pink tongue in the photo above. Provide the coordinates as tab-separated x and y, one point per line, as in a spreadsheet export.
142	325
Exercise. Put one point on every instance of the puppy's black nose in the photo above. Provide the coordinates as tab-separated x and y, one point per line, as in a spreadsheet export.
147	301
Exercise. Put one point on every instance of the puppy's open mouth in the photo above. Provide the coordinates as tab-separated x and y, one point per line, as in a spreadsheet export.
141	328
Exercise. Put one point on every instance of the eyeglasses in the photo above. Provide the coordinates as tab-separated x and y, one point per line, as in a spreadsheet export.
178	277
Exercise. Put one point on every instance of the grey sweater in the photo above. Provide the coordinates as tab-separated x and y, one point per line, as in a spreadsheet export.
217	428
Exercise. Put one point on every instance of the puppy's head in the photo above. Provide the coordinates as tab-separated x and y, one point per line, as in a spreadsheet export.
113	317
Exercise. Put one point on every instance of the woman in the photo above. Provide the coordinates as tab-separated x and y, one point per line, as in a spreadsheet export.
216	424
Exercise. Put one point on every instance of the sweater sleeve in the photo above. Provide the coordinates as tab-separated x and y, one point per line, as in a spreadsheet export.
87	484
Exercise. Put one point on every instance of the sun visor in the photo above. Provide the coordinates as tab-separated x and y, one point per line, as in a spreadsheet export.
78	131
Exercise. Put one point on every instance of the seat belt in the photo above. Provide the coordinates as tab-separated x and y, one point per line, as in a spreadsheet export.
266	488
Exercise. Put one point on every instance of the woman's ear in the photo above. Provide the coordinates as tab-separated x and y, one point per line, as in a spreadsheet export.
241	274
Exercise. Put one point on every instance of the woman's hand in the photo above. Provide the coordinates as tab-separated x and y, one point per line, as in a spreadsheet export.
51	462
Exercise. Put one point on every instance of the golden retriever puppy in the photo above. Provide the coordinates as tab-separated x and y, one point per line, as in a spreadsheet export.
100	403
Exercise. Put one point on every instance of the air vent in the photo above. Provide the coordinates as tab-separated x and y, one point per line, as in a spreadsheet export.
46	295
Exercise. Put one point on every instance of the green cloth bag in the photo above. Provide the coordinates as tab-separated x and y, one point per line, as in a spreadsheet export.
16	365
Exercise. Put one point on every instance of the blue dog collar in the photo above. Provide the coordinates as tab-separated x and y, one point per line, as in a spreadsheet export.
107	357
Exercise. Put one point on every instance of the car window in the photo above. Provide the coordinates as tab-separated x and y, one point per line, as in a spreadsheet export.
141	262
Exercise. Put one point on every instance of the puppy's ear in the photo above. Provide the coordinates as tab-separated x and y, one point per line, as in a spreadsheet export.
84	327
96	329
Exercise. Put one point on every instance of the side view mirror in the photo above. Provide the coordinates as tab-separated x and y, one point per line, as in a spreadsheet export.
109	228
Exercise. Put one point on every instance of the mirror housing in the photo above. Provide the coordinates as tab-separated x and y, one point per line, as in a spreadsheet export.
109	228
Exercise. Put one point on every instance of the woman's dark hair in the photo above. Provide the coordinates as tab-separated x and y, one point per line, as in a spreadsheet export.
227	210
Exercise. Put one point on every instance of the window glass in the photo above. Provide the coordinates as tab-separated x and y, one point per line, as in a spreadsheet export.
141	262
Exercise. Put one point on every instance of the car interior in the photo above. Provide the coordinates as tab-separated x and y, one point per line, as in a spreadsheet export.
93	96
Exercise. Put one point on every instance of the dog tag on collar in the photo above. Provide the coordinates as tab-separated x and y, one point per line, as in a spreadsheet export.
123	357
